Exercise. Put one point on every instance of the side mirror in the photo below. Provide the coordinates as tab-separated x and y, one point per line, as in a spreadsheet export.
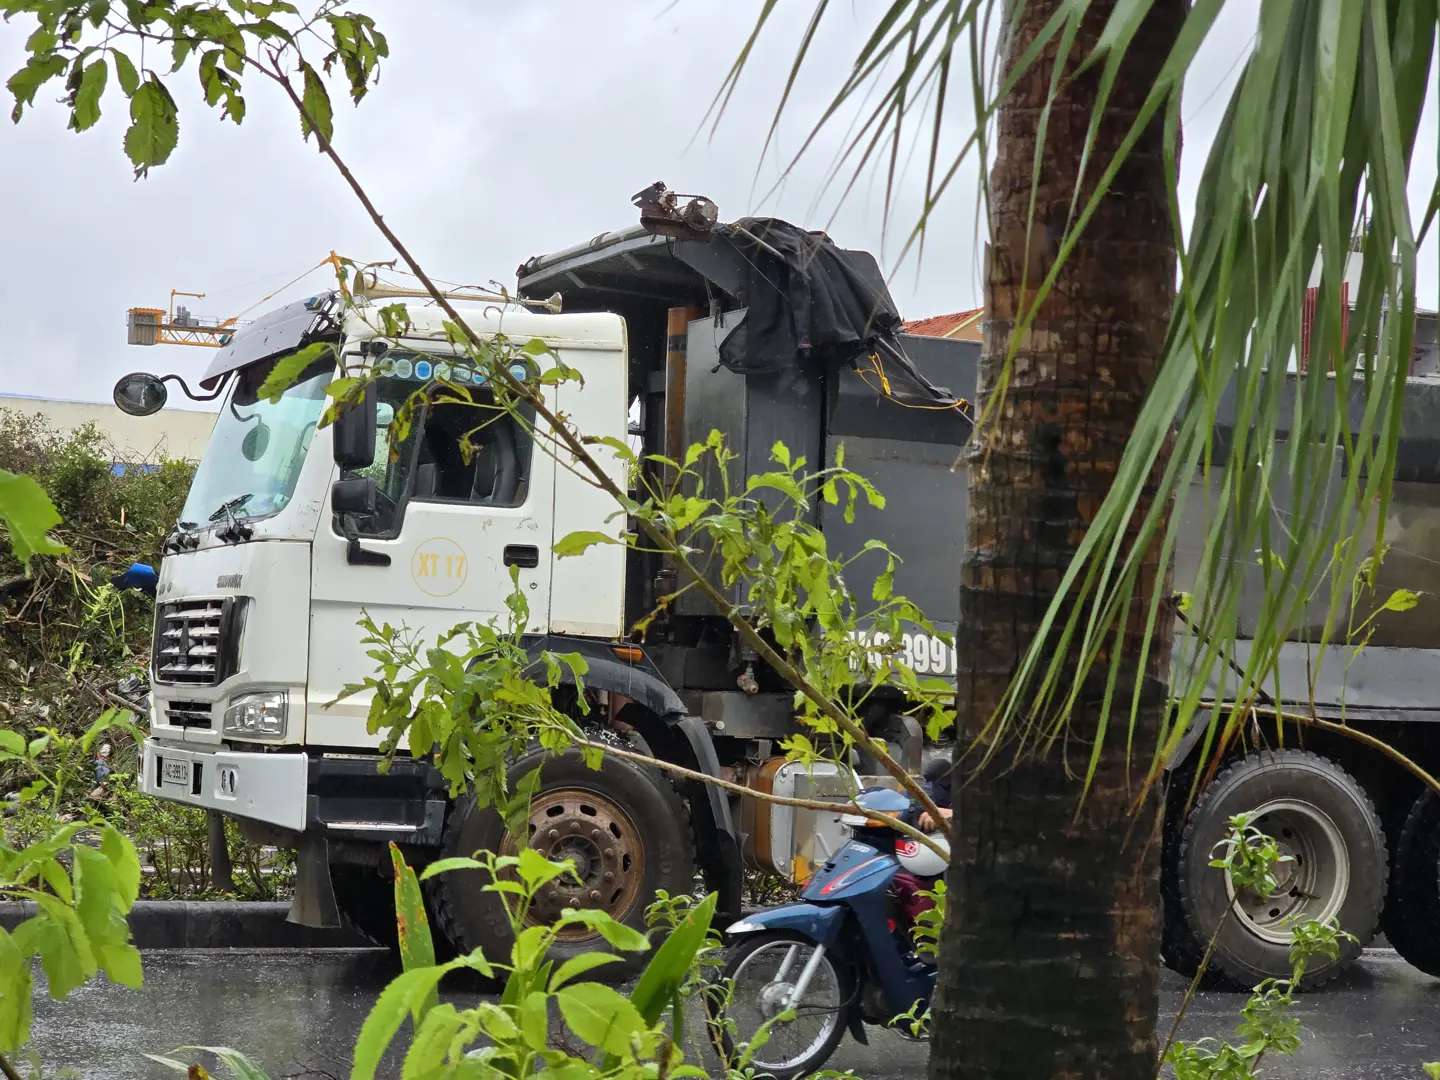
354	433
140	394
353	496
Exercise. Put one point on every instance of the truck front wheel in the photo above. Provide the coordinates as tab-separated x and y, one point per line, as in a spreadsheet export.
624	828
1327	825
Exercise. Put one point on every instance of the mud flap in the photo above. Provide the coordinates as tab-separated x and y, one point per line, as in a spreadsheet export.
719	856
314	900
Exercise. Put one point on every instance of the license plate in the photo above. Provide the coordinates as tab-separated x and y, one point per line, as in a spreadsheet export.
175	772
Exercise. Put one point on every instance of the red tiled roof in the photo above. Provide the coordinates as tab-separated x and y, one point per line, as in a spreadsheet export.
943	325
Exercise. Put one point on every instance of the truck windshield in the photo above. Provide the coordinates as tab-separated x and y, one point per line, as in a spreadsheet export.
256	451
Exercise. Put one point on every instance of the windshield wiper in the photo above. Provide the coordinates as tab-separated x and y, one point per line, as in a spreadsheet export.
227	509
234	531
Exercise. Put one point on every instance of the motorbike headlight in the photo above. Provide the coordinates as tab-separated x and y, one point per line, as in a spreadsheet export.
259	715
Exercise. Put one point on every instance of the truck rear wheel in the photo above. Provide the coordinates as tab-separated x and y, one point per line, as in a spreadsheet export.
1412	913
1322	819
623	826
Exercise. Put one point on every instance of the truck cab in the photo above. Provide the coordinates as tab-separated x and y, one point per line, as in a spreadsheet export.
270	570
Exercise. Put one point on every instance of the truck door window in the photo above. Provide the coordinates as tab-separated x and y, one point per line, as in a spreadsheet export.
452	451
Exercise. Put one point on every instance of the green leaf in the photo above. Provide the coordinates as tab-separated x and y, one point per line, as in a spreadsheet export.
56	935
534	1021
670	965
625	938
536	870
1401	600
16	990
38	70
441	866
154	127
28	515
579	965
601	1016
317	115
577	543
396	1001
431	1046
86	108
1432	1069
125	73
288	368
12	741
417	947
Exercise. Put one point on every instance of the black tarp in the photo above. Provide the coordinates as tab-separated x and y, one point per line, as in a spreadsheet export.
809	301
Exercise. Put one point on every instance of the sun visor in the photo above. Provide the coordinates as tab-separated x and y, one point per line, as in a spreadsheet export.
274	332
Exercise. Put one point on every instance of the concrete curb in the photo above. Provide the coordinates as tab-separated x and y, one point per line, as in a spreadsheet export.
217	924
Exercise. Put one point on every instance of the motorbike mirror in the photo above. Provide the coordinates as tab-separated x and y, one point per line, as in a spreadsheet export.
140	394
353	496
354	432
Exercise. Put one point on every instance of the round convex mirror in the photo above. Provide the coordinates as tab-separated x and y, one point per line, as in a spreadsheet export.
140	394
255	442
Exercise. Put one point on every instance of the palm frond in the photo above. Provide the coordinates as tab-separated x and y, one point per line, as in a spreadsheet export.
1270	514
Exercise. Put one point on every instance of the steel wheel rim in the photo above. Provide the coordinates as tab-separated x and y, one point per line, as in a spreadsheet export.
1312	886
603	842
818	1011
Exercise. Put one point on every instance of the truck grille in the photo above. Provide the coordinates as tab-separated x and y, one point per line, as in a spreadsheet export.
188	714
196	641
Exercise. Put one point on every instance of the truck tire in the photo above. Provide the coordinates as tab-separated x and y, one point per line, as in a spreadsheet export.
1320	816
366	899
1180	949
1412	914
625	827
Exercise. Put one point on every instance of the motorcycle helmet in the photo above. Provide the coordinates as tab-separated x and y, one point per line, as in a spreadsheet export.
919	859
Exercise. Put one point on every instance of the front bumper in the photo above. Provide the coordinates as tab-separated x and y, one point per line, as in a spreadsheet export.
263	787
345	797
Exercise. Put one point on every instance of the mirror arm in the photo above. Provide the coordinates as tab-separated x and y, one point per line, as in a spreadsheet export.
191	394
356	555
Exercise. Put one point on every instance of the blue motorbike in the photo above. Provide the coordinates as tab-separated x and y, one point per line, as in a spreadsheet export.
839	958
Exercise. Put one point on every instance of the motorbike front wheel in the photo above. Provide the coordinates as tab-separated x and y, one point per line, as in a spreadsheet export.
763	971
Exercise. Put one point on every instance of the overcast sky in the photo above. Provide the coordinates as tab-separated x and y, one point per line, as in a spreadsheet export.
498	132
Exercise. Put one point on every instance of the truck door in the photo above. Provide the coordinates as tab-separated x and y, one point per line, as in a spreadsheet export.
464	495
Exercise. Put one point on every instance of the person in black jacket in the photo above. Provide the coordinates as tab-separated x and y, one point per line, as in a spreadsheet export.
937	786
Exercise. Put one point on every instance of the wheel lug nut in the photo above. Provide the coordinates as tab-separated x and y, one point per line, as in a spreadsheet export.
554	834
609	875
596	834
609	852
595	894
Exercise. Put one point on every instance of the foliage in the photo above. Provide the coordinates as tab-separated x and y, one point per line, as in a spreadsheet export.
82	41
471	702
625	1036
1266	1026
66	633
82	893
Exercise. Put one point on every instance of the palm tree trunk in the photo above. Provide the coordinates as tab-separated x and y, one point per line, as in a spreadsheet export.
1051	950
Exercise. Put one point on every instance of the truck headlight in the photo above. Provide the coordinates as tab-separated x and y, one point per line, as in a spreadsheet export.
259	715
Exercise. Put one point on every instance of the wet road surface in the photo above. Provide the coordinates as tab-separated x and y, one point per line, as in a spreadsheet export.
297	1014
